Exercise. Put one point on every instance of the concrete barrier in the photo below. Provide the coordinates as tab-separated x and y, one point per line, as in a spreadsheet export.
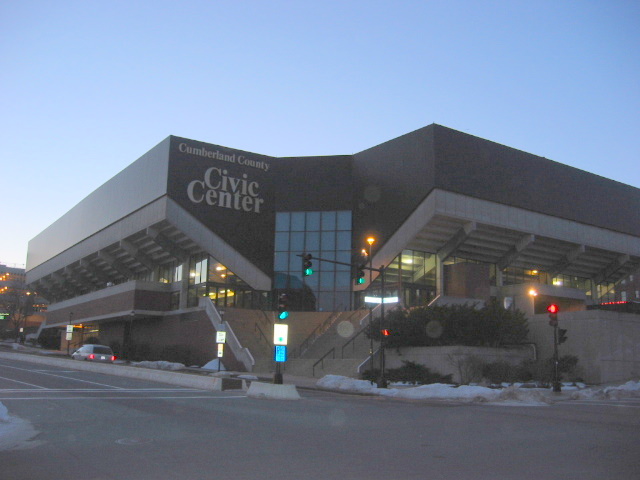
273	391
203	382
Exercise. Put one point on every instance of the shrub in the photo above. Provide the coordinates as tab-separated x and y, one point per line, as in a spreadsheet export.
490	326
410	372
50	338
501	371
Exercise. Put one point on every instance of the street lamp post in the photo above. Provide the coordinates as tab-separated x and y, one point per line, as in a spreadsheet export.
371	241
382	381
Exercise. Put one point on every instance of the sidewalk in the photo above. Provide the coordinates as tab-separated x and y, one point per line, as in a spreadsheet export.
298	381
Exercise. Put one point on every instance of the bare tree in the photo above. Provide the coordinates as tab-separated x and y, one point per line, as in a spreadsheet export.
18	304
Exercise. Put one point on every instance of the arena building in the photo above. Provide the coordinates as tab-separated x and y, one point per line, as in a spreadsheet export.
191	228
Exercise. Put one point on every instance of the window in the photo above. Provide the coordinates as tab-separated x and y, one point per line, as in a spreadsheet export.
322	234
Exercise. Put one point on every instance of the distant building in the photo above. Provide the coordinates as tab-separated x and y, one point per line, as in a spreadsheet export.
454	218
20	308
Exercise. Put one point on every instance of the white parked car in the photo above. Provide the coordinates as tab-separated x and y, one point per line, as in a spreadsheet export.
94	353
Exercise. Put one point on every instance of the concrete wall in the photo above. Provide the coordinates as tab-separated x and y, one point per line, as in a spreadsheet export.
112	301
192	330
446	360
607	344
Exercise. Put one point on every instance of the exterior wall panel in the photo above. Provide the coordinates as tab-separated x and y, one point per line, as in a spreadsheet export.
140	183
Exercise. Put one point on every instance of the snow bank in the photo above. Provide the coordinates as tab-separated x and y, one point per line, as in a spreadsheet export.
161	365
345	384
4	414
15	432
436	391
629	389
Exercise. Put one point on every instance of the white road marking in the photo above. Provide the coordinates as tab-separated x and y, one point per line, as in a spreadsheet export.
622	405
6	399
23	383
61	376
141	390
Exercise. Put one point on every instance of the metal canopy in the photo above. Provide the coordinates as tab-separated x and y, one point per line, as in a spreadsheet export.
131	257
513	248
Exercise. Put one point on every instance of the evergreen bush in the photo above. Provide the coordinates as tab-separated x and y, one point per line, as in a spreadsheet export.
410	372
490	326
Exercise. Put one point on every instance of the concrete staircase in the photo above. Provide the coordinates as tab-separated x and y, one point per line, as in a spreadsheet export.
320	343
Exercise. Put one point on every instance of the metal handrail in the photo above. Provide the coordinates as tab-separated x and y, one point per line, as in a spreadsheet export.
324	326
367	360
261	333
266	317
352	341
241	353
321	360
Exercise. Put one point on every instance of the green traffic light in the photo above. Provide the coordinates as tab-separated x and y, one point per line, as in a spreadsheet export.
283	315
361	280
308	271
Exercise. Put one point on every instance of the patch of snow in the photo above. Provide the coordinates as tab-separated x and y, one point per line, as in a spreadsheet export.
512	395
15	432
346	384
213	365
629	389
160	365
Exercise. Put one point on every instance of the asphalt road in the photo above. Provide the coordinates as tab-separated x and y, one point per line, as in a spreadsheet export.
99	427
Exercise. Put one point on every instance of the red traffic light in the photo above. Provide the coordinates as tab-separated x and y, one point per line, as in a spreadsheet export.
386	332
553	308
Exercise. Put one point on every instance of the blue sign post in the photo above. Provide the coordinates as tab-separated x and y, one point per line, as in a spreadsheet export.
280	353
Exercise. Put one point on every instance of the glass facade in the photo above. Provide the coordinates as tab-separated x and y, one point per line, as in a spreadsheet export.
323	234
411	277
210	278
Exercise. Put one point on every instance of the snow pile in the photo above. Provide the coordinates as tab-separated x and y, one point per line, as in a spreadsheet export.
214	364
161	365
15	432
345	384
438	391
517	396
629	389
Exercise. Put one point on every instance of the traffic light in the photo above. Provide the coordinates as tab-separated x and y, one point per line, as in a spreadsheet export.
307	266
562	335
283	307
386	333
360	275
553	310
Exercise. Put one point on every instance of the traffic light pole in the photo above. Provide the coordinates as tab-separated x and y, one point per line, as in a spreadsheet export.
556	361
553	321
382	381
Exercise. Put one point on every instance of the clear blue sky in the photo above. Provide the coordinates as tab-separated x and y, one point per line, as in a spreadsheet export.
86	87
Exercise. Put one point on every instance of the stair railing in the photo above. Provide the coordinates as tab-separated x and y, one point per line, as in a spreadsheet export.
242	354
313	336
321	360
